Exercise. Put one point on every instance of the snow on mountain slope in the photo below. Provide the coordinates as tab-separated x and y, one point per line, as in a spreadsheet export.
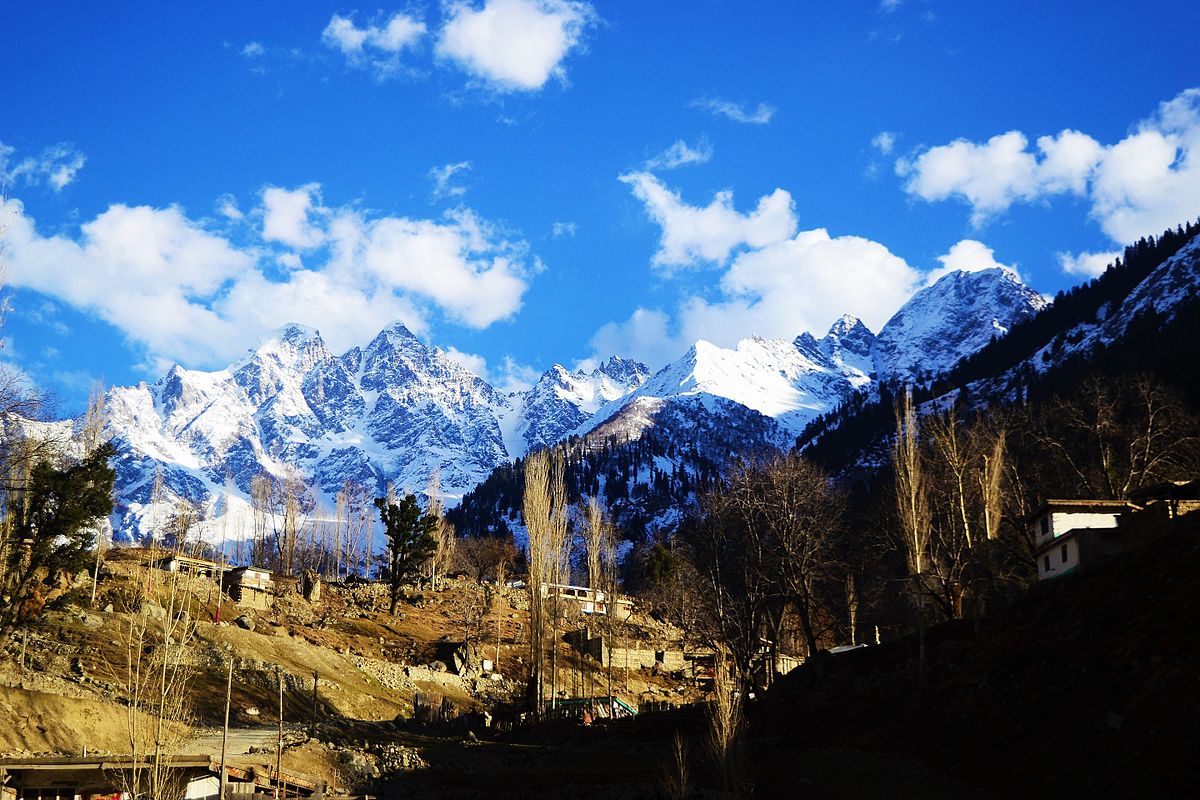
787	382
561	401
1162	291
793	382
951	319
394	411
1173	283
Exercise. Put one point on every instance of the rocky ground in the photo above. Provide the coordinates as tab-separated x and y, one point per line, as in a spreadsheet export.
65	681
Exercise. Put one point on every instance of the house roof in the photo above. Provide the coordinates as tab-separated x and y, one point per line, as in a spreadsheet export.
260	777
102	762
1114	506
190	560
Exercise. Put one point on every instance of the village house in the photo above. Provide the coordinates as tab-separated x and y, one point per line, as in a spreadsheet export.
1071	535
590	601
186	565
250	587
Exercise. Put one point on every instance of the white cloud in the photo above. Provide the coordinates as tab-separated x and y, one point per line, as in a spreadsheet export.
803	283
374	47
646	336
563	229
457	265
56	166
1142	184
514	45
442	178
989	176
968	255
192	295
884	142
227	207
513	376
694	235
254	50
1088	265
681	153
779	284
724	108
888	6
473	363
286	214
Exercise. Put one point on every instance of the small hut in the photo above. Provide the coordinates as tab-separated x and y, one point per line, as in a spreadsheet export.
250	587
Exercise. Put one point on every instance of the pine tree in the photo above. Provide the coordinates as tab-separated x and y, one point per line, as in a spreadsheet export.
411	541
51	521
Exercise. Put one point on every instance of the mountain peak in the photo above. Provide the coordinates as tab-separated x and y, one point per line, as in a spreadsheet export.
954	317
845	324
849	336
295	332
624	370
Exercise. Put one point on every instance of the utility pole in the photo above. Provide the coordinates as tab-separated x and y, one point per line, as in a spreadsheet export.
312	726
279	743
225	730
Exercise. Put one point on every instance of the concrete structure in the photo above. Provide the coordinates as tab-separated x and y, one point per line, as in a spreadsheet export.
642	656
105	777
1060	547
1072	535
590	601
250	587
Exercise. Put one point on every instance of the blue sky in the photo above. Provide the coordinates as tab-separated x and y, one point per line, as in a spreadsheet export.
531	181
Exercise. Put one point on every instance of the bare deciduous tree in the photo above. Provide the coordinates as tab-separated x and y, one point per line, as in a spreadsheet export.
1116	435
545	516
443	556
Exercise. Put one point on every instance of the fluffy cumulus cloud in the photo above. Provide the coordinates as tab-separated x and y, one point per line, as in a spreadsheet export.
1142	184
777	285
514	45
680	154
735	111
56	167
1089	265
376	47
695	235
473	363
287	216
198	296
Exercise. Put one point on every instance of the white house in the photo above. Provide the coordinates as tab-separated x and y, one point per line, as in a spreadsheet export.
590	601
1069	534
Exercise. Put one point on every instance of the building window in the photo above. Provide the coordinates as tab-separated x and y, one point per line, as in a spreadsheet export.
1064	553
1045	525
1047	563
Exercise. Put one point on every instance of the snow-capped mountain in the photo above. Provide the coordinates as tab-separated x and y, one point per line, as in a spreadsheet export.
561	401
790	383
395	411
1169	287
953	318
